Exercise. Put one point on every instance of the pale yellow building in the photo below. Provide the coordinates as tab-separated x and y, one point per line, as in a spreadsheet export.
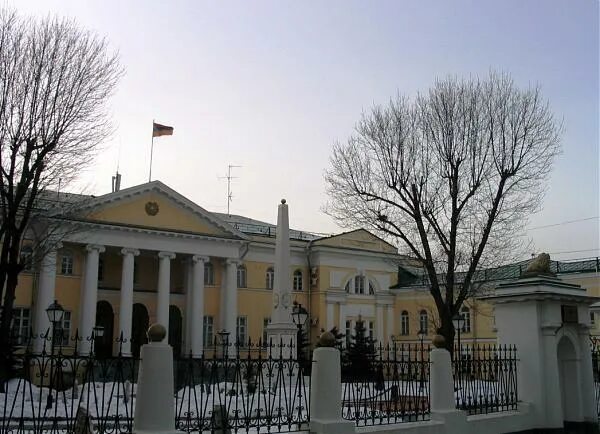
147	254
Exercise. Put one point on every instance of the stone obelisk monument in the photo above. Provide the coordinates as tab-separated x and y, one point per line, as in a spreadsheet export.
281	332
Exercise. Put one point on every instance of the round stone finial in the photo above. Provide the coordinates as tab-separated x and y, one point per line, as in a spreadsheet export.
282	201
156	333
327	340
438	341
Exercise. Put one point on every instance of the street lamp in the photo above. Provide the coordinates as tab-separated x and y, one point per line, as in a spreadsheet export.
299	316
458	320
55	314
97	332
421	335
224	338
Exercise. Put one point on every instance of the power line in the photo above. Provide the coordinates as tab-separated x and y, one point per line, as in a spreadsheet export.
564	223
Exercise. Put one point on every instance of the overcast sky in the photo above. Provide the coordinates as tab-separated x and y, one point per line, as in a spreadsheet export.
270	85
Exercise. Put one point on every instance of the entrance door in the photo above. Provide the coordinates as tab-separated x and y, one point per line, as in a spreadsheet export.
175	329
139	327
105	318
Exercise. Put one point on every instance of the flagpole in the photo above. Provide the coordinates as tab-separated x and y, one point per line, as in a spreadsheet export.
151	151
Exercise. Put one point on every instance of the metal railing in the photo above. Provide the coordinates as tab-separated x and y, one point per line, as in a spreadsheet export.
485	378
389	385
231	387
595	351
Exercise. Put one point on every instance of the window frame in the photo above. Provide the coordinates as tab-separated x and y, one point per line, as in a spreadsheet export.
23	327
297	280
26	258
242	281
424	321
270	278
66	263
209	274
208	323
241	339
466	314
404	323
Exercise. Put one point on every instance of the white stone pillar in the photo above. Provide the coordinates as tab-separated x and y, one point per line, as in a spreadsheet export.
326	394
197	305
329	317
155	406
45	297
443	405
164	289
230	306
87	320
126	303
379	324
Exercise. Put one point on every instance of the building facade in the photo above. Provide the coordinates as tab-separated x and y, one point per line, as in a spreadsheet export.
147	254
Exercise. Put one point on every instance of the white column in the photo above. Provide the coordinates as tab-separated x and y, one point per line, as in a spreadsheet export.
126	303
329	317
187	284
390	321
379	324
197	305
164	289
45	297
230	313
87	320
342	326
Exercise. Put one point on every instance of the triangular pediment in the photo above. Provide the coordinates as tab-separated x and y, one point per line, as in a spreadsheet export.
358	239
156	206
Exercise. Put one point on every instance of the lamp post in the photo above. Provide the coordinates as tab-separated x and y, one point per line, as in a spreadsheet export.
421	335
55	314
224	338
299	316
458	320
97	333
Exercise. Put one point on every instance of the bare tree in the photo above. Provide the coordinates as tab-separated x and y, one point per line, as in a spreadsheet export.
55	83
453	175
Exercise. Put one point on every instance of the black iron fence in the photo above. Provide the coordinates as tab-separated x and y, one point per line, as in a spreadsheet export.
485	378
595	349
231	387
386	385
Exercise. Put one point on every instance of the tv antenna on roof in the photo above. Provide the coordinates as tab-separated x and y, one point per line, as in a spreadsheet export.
229	178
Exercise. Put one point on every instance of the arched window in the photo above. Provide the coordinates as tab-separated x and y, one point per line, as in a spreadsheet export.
371	288
209	274
423	322
26	257
241	276
297	283
404	323
359	284
466	314
66	263
269	278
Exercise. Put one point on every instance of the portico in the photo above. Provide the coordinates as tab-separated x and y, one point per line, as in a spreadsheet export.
156	267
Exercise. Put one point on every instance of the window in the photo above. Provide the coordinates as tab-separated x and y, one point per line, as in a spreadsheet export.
347	287
100	269
592	319
66	263
241	331
265	339
20	325
64	332
297	284
359	284
209	274
241	276
371	330
348	332
26	257
371	288
404	324
270	277
466	314
207	331
423	322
